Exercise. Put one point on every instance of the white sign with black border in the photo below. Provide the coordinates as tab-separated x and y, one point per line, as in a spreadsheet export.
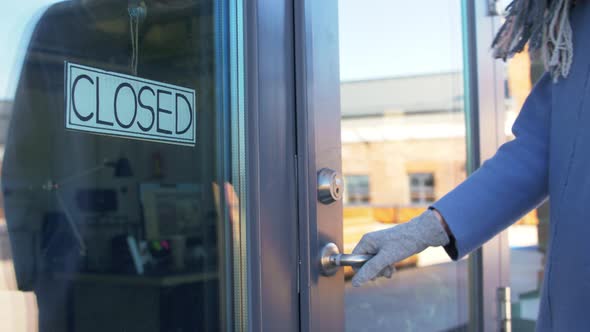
109	103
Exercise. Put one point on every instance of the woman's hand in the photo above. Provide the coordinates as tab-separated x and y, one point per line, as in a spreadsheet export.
397	243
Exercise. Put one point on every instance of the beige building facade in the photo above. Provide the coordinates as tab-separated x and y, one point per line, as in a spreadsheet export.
404	144
398	130
389	166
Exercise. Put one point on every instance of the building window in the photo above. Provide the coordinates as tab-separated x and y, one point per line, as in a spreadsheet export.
357	189
421	188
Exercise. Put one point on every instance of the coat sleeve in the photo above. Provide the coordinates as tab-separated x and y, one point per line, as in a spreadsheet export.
507	186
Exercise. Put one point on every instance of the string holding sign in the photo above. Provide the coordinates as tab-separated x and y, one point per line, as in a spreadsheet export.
137	12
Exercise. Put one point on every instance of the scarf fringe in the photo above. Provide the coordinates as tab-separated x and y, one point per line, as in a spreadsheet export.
545	25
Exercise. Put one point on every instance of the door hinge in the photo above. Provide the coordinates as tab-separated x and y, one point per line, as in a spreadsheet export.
504	309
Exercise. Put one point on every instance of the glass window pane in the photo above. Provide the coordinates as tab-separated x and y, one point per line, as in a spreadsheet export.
120	197
403	128
357	189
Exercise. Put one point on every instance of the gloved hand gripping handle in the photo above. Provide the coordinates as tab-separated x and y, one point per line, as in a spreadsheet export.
332	259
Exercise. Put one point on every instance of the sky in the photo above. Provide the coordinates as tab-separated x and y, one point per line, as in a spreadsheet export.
385	38
378	38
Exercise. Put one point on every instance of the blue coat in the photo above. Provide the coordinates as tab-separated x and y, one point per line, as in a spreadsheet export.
550	157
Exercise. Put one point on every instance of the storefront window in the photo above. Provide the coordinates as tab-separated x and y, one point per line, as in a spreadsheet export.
121	195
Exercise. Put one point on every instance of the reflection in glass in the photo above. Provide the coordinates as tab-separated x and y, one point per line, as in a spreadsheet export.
113	233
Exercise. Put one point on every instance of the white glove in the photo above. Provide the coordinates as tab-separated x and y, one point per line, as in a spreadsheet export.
394	244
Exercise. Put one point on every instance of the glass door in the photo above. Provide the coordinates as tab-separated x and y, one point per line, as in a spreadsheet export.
384	133
403	133
122	181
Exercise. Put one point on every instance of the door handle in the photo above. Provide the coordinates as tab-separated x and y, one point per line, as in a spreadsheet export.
331	259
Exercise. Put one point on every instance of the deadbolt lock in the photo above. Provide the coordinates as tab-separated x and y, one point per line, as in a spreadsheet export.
330	186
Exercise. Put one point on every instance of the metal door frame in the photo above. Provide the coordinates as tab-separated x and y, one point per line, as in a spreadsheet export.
271	202
318	110
291	87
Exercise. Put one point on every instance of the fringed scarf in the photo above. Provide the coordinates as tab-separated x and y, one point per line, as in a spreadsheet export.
545	25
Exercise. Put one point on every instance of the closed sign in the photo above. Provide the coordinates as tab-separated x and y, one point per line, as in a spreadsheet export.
108	103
